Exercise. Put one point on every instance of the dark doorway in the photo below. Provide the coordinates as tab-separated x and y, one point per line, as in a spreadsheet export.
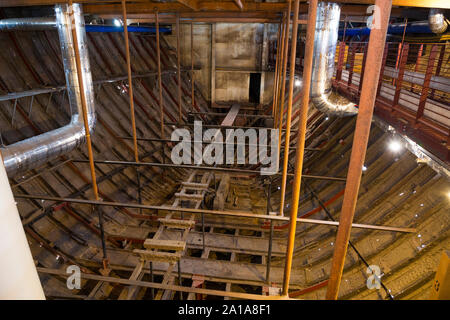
254	90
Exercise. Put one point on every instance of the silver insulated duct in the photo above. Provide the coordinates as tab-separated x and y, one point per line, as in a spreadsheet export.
36	151
325	39
28	24
436	21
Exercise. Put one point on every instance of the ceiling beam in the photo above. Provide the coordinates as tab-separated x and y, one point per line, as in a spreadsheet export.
191	4
185	5
238	3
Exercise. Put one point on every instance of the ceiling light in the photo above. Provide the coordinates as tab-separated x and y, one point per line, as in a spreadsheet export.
364	168
298	82
395	146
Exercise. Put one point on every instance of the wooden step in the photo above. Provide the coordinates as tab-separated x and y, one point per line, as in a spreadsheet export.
195	186
150	255
194	197
164	244
177	223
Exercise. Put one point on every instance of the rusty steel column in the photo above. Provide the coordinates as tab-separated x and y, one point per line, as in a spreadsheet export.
192	66
287	134
367	100
275	75
130	84
178	67
280	68
83	103
88	135
158	54
307	71
284	70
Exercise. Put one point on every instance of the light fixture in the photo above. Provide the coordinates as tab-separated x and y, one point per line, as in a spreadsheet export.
297	82
364	168
326	119
395	146
117	22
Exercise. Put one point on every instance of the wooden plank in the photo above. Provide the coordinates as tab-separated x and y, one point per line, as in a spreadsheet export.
185	196
146	284
222	192
164	244
195	186
231	115
176	223
150	255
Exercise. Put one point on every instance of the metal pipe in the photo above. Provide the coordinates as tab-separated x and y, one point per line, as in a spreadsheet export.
33	152
307	71
287	135
437	22
192	66
398	28
197	167
219	126
361	136
213	142
326	35
28	24
180	117
49	23
130	81
235	214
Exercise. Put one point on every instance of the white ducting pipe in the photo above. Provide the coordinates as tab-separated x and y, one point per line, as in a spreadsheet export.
36	151
325	40
19	279
436	21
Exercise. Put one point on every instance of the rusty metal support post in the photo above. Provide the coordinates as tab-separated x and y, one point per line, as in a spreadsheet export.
307	71
284	71
86	125
192	66
158	54
439	66
269	247
131	97
401	72
426	82
180	117
340	63
351	56
367	100
130	83
363	67
83	105
275	75
287	135
280	68
383	64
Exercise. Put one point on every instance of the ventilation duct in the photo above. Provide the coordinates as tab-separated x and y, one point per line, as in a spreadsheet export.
49	23
437	22
36	151
325	39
